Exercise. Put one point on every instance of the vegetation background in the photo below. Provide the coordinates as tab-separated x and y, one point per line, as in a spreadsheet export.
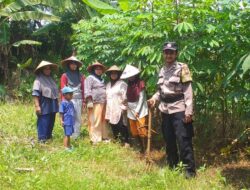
214	39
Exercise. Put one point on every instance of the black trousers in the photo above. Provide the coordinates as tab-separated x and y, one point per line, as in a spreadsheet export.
120	131
177	133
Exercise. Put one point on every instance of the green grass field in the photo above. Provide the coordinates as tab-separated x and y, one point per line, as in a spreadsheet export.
105	166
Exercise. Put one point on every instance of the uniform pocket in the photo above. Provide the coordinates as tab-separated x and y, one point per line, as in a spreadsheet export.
175	84
174	79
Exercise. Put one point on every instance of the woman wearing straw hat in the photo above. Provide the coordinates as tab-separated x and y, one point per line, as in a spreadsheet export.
73	78
115	111
137	105
95	95
45	93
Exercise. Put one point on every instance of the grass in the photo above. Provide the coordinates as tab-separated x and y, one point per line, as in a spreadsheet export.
105	166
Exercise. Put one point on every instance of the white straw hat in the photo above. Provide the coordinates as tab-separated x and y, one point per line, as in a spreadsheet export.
44	64
129	71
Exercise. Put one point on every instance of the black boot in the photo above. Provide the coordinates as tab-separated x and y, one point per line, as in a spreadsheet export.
190	174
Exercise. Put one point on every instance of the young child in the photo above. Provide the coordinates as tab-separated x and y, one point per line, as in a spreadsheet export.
67	113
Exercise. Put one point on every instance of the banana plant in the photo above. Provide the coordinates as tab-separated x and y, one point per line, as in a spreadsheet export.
23	10
48	15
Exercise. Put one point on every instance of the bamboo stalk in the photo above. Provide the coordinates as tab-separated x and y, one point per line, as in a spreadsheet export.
149	133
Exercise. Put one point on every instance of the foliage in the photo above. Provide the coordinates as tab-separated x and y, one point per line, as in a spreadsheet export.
23	10
2	93
27	42
15	18
213	38
24	90
40	22
100	6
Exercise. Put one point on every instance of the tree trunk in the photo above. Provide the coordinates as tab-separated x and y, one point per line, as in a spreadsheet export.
177	3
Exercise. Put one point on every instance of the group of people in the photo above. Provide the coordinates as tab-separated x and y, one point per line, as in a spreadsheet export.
118	104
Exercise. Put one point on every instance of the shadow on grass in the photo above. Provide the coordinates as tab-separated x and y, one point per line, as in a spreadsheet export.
237	173
239	176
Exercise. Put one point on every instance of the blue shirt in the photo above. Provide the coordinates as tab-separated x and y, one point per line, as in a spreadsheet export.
47	105
68	111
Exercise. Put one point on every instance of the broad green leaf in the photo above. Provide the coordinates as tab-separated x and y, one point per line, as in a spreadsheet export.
210	28
91	12
200	87
12	7
33	15
159	57
180	27
45	29
152	59
214	43
27	42
25	64
184	27
147	16
124	5
190	26
245	65
20	4
100	6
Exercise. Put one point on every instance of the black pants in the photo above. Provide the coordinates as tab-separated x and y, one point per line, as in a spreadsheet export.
176	132
120	131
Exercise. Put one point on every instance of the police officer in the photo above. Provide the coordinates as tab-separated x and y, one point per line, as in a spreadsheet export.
175	97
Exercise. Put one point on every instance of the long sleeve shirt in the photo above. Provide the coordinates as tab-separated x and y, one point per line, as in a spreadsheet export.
175	80
95	89
116	95
139	107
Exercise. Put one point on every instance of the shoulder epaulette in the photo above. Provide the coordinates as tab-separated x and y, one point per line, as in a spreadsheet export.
185	73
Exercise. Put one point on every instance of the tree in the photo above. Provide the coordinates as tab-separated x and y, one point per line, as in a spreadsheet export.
48	21
213	39
21	10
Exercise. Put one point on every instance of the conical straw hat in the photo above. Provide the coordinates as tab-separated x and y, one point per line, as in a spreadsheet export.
90	68
114	68
44	64
129	71
71	59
